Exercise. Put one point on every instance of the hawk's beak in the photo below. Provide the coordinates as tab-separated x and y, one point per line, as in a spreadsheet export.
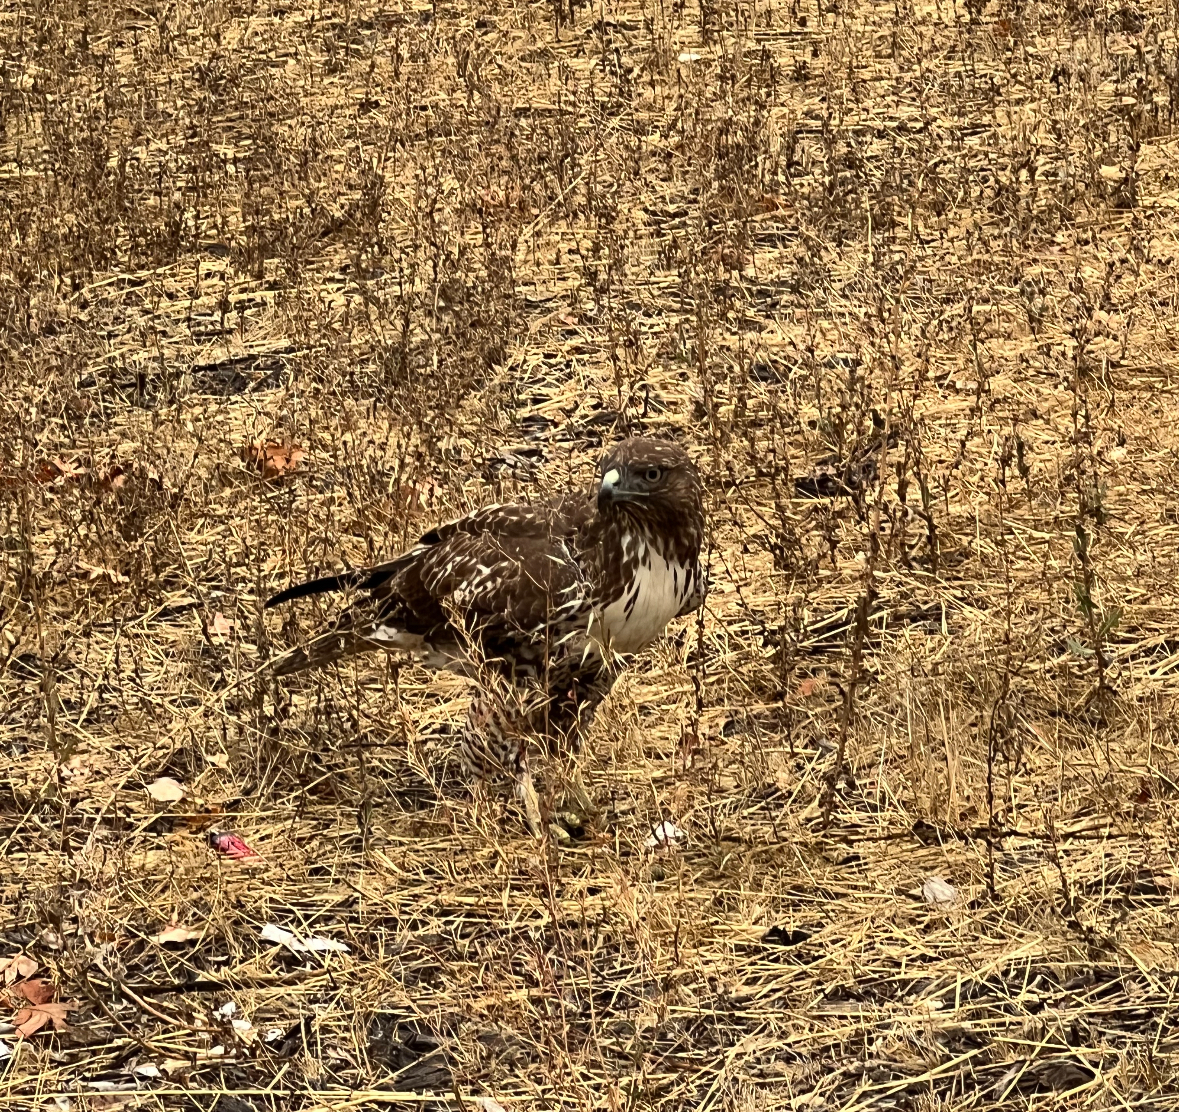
609	492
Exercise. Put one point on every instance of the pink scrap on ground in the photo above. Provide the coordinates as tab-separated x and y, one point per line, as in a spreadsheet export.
230	845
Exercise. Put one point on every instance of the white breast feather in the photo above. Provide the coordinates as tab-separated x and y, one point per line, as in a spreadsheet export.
662	588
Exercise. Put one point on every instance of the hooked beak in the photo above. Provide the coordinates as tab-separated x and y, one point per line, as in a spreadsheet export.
610	492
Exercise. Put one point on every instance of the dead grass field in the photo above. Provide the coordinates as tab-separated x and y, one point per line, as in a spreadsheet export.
435	256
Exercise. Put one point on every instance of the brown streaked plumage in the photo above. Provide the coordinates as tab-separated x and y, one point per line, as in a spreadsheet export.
532	601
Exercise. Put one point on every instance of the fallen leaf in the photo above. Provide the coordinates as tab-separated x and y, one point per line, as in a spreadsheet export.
51	470
274	933
273	459
28	1021
810	685
17	966
166	790
230	845
115	478
93	571
199	820
222	626
176	933
938	892
35	992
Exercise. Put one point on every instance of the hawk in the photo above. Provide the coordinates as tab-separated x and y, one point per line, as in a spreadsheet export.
535	602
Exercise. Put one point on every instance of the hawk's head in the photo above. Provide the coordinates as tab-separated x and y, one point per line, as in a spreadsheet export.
654	485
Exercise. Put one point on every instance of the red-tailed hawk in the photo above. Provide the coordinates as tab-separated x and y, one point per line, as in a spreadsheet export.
533	601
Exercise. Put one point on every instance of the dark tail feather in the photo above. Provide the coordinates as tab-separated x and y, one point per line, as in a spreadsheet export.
315	587
367	579
318	587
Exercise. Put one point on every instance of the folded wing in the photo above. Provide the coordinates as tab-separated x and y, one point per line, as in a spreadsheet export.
505	581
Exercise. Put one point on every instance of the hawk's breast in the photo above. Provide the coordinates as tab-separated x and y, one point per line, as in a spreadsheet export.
654	590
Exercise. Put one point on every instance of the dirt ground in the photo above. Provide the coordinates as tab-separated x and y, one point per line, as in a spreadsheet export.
283	287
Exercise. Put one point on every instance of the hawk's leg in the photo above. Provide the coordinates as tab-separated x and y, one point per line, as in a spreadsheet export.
574	696
495	744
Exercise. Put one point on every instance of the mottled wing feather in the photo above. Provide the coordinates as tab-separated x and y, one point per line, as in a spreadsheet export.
502	566
501	581
506	571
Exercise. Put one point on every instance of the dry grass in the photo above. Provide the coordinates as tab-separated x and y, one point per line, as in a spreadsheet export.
449	252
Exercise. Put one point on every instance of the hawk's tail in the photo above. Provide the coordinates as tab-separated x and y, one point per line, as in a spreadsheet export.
364	579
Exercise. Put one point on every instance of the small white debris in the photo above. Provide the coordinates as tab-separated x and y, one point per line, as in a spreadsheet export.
166	790
176	933
147	1070
242	1025
1112	174
665	834
227	1009
938	892
489	1104
274	933
687	56
273	1034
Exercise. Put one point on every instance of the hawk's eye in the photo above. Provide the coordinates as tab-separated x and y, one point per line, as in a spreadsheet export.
653	474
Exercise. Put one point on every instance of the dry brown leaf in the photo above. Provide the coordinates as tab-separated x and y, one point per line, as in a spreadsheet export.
176	933
209	813
28	1021
273	459
222	626
115	478
50	470
94	572
17	966
166	790
810	685
35	992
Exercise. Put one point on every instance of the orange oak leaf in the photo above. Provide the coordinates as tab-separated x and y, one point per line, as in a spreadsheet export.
18	966
35	992
272	459
28	1021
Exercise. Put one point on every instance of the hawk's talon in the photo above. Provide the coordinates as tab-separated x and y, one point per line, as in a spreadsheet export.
526	792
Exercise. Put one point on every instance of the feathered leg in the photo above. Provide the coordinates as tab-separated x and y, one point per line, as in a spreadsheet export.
574	696
495	744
